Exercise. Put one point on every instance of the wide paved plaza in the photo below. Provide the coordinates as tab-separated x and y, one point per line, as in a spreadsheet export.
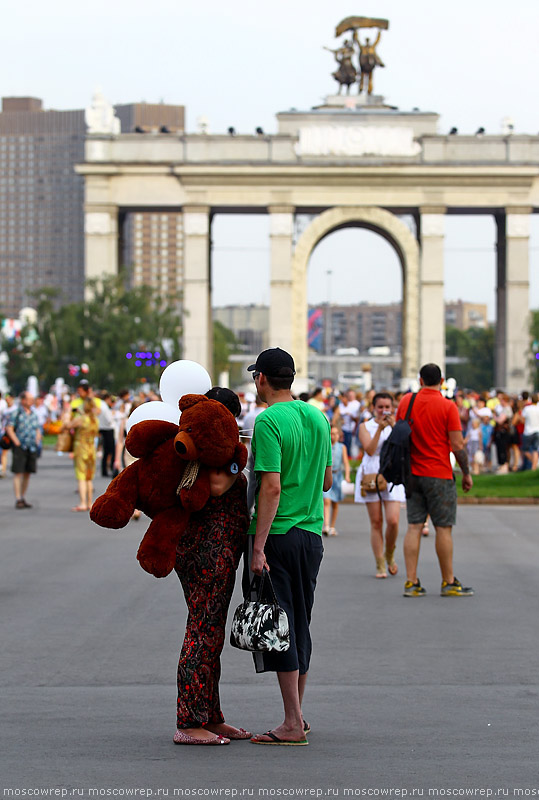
404	694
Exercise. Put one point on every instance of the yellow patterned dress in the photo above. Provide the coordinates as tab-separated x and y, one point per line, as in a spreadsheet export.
84	451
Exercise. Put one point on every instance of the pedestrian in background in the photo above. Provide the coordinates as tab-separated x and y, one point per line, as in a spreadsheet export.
86	428
340	470
7	406
106	431
436	430
24	431
372	434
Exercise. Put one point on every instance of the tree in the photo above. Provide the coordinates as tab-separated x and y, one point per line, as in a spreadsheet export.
476	347
100	332
224	343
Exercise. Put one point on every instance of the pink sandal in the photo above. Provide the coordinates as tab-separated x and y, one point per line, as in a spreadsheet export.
183	738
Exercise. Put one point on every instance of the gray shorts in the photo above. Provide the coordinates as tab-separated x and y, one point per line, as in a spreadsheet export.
436	497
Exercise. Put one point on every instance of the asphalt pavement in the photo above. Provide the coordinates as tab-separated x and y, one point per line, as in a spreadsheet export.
429	696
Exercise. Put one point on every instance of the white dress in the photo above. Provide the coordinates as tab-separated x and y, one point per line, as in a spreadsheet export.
371	464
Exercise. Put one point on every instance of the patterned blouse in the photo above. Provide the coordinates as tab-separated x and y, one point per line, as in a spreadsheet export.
26	427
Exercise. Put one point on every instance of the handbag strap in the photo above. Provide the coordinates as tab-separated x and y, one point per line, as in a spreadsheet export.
260	593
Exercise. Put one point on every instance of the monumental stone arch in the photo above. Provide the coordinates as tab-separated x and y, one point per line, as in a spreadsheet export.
405	244
352	161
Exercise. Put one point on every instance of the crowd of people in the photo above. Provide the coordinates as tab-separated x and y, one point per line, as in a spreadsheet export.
91	423
303	451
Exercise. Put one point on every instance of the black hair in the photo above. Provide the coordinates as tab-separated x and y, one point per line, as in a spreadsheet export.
431	374
280	383
304	396
226	397
383	396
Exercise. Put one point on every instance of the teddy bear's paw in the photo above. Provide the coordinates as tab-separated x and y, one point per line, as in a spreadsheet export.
110	512
155	561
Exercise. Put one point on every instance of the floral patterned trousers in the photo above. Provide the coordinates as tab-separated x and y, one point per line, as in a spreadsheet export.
206	562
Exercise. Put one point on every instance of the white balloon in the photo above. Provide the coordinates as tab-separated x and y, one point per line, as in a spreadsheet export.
155	409
183	377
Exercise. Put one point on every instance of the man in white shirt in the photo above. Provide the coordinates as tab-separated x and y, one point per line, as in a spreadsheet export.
106	430
530	436
350	409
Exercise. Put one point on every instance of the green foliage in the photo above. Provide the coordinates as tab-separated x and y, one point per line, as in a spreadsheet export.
518	484
476	346
224	343
98	332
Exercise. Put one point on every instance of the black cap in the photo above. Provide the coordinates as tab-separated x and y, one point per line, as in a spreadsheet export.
275	363
84	383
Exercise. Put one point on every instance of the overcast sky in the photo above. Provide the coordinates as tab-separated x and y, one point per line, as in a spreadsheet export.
238	63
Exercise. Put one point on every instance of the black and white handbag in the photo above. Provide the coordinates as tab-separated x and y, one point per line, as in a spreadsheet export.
260	626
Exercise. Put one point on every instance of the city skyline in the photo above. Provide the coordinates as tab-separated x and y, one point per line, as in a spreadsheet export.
433	60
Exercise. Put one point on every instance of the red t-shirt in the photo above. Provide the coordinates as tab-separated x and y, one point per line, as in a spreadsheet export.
433	416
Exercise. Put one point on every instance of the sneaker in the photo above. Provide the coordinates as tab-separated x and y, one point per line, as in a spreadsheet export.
455	589
414	589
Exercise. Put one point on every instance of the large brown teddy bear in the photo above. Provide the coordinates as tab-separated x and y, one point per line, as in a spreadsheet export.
171	479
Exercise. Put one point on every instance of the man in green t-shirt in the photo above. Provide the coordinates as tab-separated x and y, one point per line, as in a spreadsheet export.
292	460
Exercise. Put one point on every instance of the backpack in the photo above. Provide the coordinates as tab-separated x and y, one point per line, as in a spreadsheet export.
395	452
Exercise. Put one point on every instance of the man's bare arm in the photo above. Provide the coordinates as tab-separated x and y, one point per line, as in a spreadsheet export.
328	479
461	454
459	449
268	503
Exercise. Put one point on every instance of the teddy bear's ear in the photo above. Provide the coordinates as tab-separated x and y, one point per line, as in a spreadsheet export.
147	435
189	400
240	456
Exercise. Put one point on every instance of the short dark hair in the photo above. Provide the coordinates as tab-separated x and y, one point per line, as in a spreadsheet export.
382	396
280	384
226	397
431	374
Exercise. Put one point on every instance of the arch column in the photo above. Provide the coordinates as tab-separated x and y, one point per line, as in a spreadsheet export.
197	317
281	281
512	324
431	301
100	242
399	236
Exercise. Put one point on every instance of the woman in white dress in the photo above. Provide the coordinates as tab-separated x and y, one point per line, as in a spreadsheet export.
372	435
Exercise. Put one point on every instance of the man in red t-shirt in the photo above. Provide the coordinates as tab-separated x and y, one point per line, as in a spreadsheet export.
436	430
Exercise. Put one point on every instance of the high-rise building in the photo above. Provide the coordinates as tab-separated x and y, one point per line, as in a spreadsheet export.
42	204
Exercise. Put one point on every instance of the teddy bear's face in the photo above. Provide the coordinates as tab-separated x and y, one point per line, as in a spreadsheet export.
208	431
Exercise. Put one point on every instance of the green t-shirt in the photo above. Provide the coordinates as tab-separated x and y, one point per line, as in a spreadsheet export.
293	438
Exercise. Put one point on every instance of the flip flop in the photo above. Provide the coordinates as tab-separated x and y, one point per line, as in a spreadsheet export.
306	727
276	741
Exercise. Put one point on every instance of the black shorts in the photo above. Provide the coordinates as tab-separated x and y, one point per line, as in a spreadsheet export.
436	497
294	559
23	461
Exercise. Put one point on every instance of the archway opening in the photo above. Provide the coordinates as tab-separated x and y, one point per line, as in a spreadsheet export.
470	299
354	294
240	292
